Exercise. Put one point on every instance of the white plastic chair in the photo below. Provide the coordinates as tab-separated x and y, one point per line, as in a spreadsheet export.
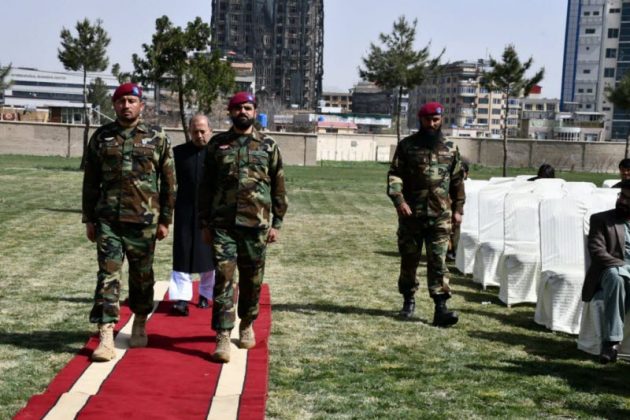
562	248
488	259
608	183
589	339
521	273
469	230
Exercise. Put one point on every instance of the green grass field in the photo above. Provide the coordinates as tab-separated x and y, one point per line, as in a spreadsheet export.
337	349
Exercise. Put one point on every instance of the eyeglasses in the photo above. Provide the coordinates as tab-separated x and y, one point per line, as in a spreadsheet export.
244	107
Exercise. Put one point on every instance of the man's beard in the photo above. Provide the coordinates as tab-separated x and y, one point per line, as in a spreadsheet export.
430	135
242	122
622	209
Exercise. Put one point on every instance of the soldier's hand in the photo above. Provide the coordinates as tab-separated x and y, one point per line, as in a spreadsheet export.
90	231
273	236
404	210
162	232
206	236
457	218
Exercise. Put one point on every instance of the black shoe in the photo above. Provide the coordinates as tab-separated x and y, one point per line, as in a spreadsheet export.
180	308
443	317
203	302
409	306
450	256
609	352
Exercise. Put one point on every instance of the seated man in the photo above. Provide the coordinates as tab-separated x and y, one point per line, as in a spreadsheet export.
624	172
608	277
544	171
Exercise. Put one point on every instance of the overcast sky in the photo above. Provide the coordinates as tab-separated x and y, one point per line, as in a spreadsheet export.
467	29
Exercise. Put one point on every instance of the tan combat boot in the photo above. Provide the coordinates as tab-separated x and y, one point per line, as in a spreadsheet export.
222	351
138	333
105	350
246	336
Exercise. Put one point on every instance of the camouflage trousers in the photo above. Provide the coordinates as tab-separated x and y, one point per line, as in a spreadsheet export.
435	234
114	241
242	248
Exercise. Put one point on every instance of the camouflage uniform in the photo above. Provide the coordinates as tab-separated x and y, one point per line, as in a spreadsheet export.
128	189
241	196
430	180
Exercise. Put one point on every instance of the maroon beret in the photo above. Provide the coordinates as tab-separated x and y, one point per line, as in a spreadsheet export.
241	98
127	89
430	108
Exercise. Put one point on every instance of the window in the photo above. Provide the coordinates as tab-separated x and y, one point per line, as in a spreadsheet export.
596	13
609	72
589	31
483	100
482	111
580	90
587	13
586	71
613	33
496	101
496	121
496	111
482	121
615	10
611	52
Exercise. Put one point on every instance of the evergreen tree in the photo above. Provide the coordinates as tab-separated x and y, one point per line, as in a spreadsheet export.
620	98
4	72
508	78
98	96
396	64
87	52
180	60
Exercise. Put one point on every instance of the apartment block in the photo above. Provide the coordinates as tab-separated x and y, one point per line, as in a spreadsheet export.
596	56
283	38
467	105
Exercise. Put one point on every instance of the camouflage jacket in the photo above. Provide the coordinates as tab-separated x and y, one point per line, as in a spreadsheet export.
129	175
243	182
429	179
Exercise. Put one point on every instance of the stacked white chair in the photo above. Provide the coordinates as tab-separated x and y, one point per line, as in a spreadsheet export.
521	274
608	183
469	230
590	337
580	190
488	259
562	250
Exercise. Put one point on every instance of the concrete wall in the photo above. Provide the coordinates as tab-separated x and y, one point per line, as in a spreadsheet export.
306	149
41	139
579	156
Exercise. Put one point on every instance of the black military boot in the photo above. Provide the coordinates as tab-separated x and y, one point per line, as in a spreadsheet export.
443	317
409	306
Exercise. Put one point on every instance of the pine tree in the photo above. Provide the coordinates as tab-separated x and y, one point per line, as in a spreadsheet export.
620	98
396	64
87	52
508	78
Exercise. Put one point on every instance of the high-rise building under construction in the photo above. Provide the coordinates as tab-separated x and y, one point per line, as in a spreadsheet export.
283	38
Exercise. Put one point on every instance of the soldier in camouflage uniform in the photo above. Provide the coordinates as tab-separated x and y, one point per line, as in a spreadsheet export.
242	202
128	198
425	183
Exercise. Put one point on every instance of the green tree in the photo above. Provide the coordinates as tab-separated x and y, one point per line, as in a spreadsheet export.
121	76
508	78
620	98
87	52
98	96
180	60
396	65
4	72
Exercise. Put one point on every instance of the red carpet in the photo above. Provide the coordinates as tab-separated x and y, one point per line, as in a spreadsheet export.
172	378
